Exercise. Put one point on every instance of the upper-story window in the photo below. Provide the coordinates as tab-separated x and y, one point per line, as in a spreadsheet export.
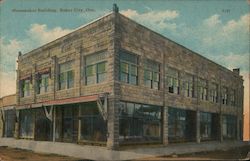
233	97
66	76
224	95
43	83
203	89
129	68
96	68
152	74
214	92
188	84
25	87
173	80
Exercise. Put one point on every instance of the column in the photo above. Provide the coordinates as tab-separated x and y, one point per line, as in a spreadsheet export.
16	133
221	127
165	126
198	137
237	128
54	124
53	75
113	124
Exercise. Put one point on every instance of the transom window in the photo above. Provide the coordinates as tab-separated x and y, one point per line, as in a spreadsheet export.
173	80
66	76
202	89
129	68
152	74
96	68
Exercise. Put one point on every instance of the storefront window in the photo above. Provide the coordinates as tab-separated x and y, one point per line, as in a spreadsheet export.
229	126
10	119
26	124
93	126
205	125
181	125
139	123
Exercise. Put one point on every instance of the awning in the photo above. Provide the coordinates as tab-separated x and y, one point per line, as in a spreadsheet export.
44	71
61	101
72	100
8	107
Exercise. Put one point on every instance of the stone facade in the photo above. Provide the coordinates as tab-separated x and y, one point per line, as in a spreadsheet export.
115	33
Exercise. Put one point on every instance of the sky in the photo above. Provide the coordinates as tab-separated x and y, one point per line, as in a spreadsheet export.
216	29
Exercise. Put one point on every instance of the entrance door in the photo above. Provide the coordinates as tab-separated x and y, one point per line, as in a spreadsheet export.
70	123
10	118
43	126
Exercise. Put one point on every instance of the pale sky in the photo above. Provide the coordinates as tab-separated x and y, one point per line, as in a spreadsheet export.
218	30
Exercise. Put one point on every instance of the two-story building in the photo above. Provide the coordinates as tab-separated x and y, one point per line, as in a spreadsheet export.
114	82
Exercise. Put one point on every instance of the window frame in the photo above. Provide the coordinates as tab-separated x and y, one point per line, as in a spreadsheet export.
214	90
224	95
129	74
150	66
40	84
173	82
65	75
25	90
96	74
203	89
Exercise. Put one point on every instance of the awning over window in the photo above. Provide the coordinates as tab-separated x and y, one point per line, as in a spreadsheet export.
72	100
61	102
44	71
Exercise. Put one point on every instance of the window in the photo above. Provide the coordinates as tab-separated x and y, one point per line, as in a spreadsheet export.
205	125
233	97
224	95
129	68
229	126
42	83
203	95
188	85
93	127
25	87
26	123
96	68
181	125
10	119
173	81
66	76
139	122
214	93
152	74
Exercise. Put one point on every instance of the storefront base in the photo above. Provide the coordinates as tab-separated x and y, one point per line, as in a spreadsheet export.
102	153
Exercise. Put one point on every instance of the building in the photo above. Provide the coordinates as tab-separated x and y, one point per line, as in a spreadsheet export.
7	116
114	82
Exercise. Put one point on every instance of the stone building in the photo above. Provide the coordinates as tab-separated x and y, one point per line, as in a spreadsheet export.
114	82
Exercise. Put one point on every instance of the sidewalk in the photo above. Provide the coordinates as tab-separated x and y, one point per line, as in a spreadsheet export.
101	153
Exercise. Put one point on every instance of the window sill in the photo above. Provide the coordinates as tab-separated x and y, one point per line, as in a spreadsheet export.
59	90
124	83
41	94
95	84
26	97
